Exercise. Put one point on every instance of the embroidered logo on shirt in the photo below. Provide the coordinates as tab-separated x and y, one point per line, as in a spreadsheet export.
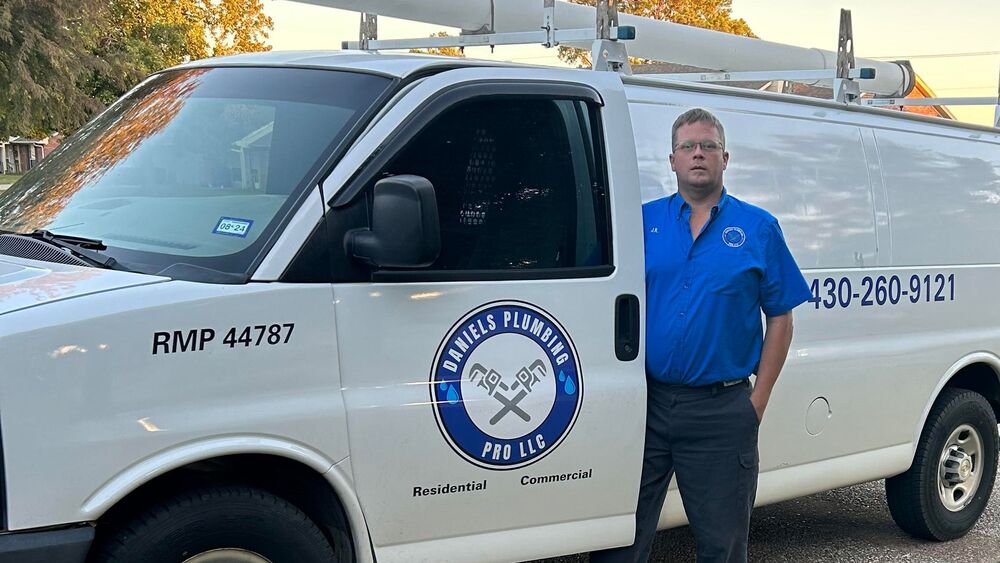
654	230
734	237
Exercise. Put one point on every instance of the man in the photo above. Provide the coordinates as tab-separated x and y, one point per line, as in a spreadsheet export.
713	263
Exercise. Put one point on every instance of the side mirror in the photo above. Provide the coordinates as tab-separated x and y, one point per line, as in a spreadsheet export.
405	231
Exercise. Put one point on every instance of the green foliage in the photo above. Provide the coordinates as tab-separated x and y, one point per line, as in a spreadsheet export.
61	61
144	36
46	52
707	14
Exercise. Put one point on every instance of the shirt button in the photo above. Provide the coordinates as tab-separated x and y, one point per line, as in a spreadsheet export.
682	314
687	286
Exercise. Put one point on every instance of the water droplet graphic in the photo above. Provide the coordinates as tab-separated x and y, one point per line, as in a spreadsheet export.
443	385
569	386
452	395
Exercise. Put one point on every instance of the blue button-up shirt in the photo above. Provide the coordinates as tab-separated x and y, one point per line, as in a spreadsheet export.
704	297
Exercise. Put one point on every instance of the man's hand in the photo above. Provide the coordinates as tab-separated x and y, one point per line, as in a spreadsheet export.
759	404
777	339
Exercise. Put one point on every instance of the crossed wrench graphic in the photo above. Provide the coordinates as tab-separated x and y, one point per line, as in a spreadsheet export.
510	404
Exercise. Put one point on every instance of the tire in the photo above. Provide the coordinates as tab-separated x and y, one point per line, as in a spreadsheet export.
214	525
947	488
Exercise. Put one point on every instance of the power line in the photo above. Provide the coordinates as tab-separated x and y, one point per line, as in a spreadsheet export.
941	55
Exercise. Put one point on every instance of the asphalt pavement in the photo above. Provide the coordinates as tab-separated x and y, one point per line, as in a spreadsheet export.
844	525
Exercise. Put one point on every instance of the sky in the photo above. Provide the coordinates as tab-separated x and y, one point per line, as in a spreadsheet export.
919	30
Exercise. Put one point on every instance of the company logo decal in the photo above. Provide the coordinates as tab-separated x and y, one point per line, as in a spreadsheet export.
506	385
734	237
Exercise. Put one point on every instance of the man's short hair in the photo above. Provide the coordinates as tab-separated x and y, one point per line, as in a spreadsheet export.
696	115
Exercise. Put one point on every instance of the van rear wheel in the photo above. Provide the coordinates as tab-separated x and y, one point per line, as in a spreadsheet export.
218	524
947	488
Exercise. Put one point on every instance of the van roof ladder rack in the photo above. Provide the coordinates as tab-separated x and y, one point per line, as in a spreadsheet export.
608	52
845	86
968	101
610	55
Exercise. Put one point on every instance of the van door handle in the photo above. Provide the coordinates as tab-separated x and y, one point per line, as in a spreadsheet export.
627	327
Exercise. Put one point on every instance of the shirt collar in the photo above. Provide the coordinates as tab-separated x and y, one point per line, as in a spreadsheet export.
684	207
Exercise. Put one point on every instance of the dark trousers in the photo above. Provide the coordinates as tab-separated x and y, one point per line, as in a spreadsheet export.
708	437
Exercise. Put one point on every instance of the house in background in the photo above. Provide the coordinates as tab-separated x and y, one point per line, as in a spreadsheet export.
20	154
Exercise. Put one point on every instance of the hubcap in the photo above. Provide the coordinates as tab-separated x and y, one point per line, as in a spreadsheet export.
959	472
227	555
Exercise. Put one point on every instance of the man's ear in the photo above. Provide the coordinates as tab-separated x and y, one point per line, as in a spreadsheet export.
671	156
725	159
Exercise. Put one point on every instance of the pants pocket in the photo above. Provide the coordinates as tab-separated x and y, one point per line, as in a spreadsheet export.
749	466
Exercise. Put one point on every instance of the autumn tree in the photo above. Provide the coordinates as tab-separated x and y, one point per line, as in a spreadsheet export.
144	36
707	14
443	51
45	53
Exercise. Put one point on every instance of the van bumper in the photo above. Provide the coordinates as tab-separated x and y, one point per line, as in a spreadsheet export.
64	545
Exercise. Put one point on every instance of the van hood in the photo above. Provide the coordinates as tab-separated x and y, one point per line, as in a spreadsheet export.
28	283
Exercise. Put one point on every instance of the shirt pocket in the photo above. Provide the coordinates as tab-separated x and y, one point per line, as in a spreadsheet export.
735	276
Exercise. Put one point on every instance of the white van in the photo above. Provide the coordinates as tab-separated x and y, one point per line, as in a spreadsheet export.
336	307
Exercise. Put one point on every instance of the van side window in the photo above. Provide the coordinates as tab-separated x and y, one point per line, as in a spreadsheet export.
519	184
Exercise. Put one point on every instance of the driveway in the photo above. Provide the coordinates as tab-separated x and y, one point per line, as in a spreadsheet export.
849	524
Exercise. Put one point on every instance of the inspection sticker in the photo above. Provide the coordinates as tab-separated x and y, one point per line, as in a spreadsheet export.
233	227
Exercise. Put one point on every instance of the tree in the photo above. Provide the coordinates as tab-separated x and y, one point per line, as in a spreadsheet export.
61	61
46	51
707	14
144	36
442	51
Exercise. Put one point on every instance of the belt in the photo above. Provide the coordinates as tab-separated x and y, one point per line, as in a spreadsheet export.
710	388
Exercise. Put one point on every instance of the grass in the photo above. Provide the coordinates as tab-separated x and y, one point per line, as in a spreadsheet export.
8	178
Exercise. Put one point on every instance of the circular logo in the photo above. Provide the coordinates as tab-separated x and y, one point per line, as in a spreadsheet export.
506	385
734	237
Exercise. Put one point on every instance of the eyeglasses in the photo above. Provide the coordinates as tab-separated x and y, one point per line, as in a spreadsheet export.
706	146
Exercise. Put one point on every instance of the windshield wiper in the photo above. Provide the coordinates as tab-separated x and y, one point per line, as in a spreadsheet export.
85	248
81	242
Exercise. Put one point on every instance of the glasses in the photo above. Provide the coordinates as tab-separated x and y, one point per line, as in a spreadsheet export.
706	146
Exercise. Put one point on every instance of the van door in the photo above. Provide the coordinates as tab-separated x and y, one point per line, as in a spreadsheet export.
500	389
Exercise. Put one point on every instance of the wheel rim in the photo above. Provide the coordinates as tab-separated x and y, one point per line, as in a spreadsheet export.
960	470
228	555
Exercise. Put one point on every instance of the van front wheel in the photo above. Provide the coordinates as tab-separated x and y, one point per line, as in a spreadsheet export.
947	488
218	524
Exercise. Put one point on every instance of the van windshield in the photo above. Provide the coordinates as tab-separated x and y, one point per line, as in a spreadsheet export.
195	166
